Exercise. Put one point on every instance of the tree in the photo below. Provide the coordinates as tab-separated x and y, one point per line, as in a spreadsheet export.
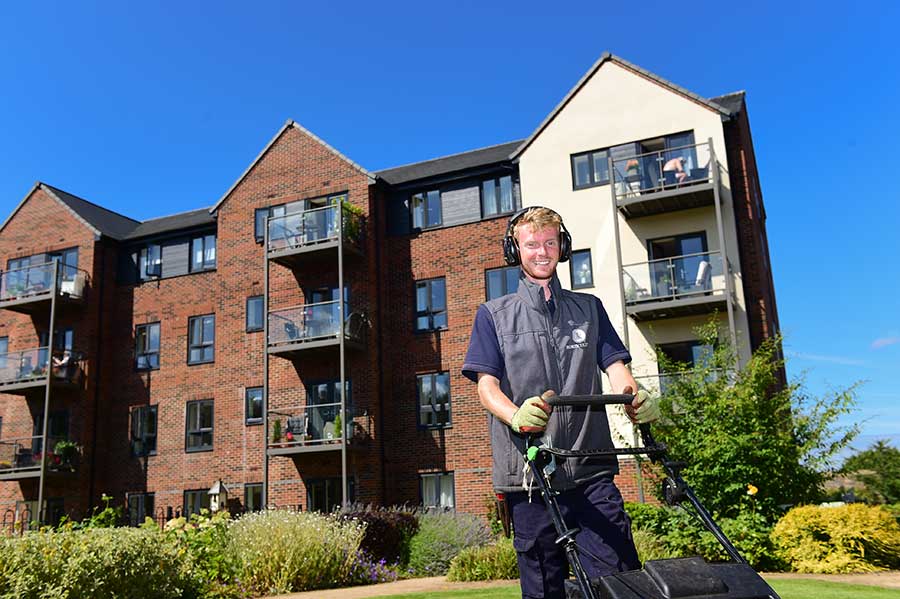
879	469
747	439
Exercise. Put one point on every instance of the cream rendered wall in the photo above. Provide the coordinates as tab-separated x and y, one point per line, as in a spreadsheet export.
613	107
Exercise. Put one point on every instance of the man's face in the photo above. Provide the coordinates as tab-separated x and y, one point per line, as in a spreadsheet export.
539	251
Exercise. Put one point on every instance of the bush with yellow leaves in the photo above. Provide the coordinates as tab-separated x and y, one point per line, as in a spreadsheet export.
835	540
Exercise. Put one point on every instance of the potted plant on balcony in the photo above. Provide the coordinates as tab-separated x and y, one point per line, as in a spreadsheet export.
276	433
338	434
66	454
352	218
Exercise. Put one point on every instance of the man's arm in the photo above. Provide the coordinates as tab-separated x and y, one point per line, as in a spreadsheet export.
494	399
621	381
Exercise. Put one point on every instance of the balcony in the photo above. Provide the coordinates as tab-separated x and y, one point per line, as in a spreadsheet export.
664	181
296	238
671	287
28	290
24	371
312	429
20	458
299	330
660	384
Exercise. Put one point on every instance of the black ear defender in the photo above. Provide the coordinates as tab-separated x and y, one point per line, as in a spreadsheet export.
511	246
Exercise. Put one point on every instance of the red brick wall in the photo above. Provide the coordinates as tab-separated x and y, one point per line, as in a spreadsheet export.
43	224
750	216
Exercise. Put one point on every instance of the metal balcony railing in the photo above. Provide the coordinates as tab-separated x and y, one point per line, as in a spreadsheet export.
667	169
672	278
310	426
24	454
315	226
31	365
314	321
32	281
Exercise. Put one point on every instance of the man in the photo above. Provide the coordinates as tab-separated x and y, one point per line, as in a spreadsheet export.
543	339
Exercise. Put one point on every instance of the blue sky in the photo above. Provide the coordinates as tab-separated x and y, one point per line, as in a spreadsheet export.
157	108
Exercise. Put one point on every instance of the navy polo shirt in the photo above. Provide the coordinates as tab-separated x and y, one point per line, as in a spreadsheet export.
484	349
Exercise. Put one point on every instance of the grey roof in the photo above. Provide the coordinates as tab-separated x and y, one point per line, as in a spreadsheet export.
732	102
112	224
608	57
174	222
449	164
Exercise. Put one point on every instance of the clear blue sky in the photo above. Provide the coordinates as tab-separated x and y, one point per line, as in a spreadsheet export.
155	108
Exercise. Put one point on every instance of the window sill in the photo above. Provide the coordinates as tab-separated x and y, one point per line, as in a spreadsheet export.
201	363
198	449
425	331
253	422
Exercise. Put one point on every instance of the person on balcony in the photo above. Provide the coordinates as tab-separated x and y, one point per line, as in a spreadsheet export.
530	343
676	166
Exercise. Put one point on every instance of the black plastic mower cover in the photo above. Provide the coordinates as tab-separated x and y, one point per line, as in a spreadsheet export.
680	578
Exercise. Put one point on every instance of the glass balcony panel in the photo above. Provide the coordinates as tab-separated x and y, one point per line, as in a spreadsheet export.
23	366
312	226
309	425
671	278
662	170
30	281
308	322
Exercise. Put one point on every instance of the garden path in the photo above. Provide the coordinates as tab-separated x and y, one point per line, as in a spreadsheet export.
889	580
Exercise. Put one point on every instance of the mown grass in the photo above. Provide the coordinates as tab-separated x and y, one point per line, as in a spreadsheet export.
786	588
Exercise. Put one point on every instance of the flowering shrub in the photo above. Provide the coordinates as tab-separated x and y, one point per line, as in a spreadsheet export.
441	536
282	552
832	540
388	531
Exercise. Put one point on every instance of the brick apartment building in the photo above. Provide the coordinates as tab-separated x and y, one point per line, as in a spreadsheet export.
301	339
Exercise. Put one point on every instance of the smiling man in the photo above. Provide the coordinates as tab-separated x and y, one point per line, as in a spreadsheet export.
539	340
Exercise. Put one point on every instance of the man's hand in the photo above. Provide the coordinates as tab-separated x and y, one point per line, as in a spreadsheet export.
643	408
532	415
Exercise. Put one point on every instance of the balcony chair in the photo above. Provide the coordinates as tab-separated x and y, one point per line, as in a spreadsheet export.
297	426
291	331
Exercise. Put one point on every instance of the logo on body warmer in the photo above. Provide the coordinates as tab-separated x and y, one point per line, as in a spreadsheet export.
578	336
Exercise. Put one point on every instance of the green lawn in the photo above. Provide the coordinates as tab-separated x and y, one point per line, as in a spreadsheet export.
788	589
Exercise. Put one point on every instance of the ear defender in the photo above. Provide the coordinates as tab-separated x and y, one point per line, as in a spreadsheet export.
511	246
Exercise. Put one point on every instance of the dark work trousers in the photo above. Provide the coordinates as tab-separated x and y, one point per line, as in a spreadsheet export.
597	509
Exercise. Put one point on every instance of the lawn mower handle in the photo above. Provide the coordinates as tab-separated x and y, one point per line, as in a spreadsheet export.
590	400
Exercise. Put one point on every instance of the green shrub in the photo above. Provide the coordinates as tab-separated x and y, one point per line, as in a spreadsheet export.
388	531
648	517
650	546
206	539
441	536
96	562
832	540
496	561
282	552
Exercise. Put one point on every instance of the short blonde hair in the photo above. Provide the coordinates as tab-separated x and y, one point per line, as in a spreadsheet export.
538	218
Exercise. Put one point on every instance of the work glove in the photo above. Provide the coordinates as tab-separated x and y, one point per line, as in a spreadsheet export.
647	409
532	415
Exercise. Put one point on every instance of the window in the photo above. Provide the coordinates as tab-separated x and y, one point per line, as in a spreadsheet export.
437	490
590	169
198	431
4	350
431	305
434	399
253	405
324	494
140	507
150	262
497	196
501	281
146	346
255	313
426	209
195	500
201	344
143	430
203	253
253	497
582	271
260	218
57	430
68	260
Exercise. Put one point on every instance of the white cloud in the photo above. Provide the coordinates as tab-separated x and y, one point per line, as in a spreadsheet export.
829	359
884	342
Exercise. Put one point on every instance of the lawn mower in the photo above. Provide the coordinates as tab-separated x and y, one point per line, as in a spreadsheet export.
678	578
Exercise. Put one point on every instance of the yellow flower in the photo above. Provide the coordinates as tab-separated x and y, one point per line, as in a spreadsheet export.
751	490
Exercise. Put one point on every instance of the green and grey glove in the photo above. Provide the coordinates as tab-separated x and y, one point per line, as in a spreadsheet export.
647	409
532	415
